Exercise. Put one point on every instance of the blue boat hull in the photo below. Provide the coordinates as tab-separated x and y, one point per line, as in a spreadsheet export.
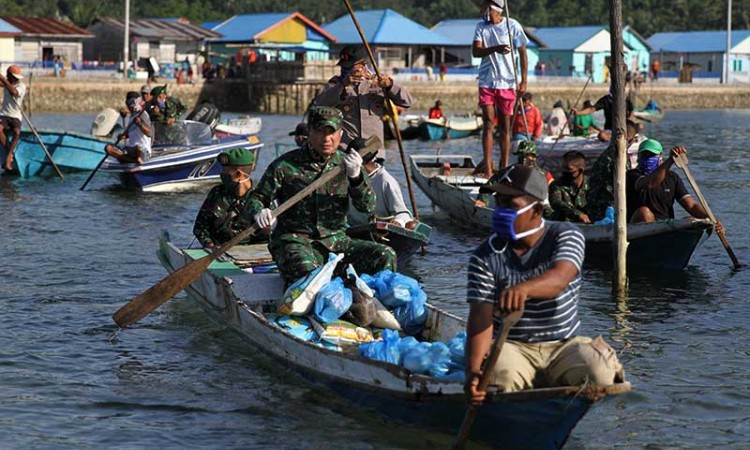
432	132
70	151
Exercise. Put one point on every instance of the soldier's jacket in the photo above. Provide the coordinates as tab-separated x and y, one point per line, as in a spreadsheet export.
219	218
321	216
173	110
363	107
602	184
567	202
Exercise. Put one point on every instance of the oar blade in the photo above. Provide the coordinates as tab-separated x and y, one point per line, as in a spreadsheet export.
159	293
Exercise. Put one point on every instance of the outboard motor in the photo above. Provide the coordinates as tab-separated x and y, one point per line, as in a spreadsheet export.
106	123
207	113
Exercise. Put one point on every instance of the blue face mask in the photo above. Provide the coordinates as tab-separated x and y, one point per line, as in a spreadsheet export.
647	166
504	223
162	104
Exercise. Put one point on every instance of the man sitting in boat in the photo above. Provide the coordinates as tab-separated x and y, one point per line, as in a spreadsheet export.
10	114
557	122
166	109
138	134
219	218
389	201
601	193
531	266
300	134
436	112
361	97
530	116
567	194
305	235
606	103
652	188
527	155
583	124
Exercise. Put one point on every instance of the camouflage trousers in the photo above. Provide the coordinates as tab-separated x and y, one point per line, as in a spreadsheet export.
297	259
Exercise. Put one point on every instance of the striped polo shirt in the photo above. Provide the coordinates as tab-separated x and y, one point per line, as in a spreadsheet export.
494	266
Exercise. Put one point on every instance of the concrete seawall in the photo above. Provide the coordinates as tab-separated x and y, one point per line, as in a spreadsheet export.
62	96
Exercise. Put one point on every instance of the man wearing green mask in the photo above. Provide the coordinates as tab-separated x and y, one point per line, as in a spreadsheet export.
218	219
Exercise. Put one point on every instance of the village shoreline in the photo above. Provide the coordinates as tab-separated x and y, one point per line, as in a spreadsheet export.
91	96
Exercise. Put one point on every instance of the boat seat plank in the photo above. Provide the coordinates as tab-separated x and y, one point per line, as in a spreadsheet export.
252	254
219	267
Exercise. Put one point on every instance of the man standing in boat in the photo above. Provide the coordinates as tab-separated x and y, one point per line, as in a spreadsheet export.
531	266
303	237
497	78
219	218
138	134
361	97
10	114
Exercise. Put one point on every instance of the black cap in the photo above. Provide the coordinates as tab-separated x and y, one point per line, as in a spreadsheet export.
558	104
587	103
519	179
300	130
351	55
526	96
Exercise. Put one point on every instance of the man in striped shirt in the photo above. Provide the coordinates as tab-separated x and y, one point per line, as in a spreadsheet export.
531	266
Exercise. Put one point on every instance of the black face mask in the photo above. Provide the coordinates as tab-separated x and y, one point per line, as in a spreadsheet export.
569	176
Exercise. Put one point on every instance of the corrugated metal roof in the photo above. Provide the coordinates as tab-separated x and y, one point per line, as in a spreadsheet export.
462	31
385	26
45	26
210	25
695	41
250	27
566	38
162	29
8	29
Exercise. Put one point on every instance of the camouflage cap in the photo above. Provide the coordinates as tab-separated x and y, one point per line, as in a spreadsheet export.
158	90
236	157
325	116
526	148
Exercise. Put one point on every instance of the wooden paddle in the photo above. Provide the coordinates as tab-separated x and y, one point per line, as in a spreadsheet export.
175	282
681	161
391	111
122	135
38	138
484	381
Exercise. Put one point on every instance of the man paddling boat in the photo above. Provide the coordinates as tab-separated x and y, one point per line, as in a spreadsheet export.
10	114
531	266
316	226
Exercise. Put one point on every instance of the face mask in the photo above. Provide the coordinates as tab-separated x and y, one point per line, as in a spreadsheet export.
648	165
569	176
504	222
345	71
229	183
486	17
162	104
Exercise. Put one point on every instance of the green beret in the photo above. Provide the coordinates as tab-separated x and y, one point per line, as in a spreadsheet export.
236	157
158	90
526	148
650	145
325	116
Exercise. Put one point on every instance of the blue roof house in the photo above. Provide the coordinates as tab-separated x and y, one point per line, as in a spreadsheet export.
462	31
395	40
585	50
271	36
704	52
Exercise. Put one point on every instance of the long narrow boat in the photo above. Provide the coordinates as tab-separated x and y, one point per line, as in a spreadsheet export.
648	115
405	242
667	244
454	127
180	166
71	152
538	418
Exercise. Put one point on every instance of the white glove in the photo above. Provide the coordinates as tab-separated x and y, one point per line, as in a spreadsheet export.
353	164
265	218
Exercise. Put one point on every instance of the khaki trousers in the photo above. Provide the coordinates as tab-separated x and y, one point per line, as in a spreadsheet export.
576	361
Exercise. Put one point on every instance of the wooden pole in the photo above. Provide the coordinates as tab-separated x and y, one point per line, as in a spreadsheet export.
620	278
391	110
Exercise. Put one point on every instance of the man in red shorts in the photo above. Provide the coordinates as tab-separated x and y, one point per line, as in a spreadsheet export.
10	113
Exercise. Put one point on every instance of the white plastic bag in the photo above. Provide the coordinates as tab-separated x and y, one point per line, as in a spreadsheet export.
299	298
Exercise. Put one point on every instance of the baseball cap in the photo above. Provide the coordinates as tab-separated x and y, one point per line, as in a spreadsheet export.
300	130
145	89
650	145
500	3
236	157
351	55
517	180
526	96
526	148
15	71
325	116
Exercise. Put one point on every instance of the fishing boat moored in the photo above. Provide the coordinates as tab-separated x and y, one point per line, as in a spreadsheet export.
71	152
454	127
539	418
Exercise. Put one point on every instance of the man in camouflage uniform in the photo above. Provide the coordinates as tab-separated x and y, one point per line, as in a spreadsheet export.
219	217
602	180
166	109
305	234
527	155
361	97
567	195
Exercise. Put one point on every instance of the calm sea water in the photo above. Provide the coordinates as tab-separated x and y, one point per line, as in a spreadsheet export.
179	379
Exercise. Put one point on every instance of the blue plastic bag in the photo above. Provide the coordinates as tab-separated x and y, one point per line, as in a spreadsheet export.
386	349
404	295
457	345
413	314
609	217
332	301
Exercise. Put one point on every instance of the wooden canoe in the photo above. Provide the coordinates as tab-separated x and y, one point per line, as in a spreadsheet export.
667	244
539	418
404	241
454	127
71	152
